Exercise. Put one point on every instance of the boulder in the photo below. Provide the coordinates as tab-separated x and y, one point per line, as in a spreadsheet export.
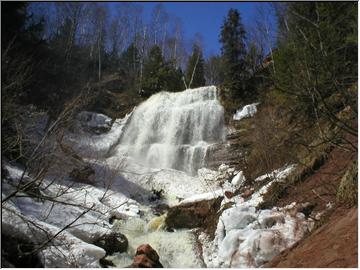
147	250
113	242
160	209
82	174
146	257
192	214
306	208
247	193
229	194
94	122
105	263
15	252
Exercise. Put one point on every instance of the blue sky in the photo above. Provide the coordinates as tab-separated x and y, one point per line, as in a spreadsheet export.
205	18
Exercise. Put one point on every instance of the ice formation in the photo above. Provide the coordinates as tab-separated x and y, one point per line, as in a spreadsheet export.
248	238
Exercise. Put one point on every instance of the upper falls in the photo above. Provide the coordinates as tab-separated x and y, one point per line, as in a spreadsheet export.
174	130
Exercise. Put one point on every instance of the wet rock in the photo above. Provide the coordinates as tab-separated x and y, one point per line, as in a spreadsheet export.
160	209
113	242
105	263
306	208
146	257
229	194
82	174
94	122
247	193
4	172
156	195
16	252
147	250
192	215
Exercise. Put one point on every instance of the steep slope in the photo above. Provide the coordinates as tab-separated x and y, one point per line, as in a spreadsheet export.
335	244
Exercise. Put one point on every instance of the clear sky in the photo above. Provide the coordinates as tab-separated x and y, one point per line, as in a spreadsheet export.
205	18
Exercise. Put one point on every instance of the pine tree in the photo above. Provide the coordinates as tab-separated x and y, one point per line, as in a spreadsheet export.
172	77
233	52
195	76
130	67
316	58
160	75
152	82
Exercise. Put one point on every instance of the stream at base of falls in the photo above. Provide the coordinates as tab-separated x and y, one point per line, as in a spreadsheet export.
176	249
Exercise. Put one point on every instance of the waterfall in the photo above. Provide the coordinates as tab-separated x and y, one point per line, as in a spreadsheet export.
174	130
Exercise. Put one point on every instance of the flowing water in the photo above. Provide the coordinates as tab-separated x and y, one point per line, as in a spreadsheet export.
174	130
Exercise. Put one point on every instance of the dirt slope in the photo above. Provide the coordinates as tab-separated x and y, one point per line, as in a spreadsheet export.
335	244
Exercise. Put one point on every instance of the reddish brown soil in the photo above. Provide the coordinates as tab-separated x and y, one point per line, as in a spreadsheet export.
320	188
334	244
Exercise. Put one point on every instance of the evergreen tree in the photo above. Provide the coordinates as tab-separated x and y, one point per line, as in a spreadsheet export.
214	70
233	52
152	82
129	67
160	75
195	76
316	57
172	77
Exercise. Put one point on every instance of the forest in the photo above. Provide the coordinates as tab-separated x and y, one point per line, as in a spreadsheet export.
176	146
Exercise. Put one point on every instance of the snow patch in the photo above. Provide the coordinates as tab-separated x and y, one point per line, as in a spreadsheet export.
246	111
249	238
246	237
37	220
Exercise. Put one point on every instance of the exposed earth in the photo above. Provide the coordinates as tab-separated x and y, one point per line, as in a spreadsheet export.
335	242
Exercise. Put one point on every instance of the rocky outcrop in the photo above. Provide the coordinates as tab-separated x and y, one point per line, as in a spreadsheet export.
113	242
16	252
82	174
94	122
146	257
193	214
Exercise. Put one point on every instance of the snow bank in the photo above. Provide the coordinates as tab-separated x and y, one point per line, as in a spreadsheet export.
94	121
238	180
65	250
248	238
36	220
203	196
279	174
97	145
246	111
276	176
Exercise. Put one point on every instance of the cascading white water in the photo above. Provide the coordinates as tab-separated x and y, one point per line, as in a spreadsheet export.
174	130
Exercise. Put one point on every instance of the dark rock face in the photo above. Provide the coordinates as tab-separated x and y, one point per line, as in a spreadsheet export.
146	257
160	209
16	253
192	215
229	194
113	242
106	263
83	174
